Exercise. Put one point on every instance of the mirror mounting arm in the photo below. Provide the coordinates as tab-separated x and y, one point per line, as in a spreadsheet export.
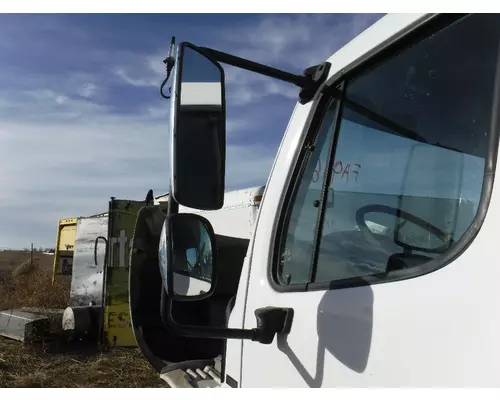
248	65
270	321
309	82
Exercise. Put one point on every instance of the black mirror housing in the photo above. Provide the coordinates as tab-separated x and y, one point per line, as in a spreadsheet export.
198	130
191	235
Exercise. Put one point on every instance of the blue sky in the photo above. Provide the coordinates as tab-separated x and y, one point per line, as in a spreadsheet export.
81	118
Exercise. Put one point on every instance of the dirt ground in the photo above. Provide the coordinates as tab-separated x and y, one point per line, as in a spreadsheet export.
58	363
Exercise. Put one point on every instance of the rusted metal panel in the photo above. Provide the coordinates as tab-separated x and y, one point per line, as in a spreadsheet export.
87	279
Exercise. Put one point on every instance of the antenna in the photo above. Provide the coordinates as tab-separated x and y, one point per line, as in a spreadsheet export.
169	62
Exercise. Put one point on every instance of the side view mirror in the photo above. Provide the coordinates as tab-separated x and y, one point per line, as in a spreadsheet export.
187	253
198	130
191	236
192	257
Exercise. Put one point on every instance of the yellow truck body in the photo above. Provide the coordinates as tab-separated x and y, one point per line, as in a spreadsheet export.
65	245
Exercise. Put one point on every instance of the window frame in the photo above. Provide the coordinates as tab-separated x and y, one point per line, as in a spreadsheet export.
333	91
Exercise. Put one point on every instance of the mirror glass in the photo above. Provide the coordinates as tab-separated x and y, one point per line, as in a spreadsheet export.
191	256
199	131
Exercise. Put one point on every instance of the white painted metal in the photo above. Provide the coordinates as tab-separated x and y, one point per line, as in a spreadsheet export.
236	218
439	329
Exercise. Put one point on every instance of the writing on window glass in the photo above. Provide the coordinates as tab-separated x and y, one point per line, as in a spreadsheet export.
345	171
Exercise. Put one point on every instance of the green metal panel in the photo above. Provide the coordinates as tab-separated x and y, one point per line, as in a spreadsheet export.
117	327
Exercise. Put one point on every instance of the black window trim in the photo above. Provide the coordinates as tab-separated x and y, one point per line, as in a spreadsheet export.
274	275
332	150
329	93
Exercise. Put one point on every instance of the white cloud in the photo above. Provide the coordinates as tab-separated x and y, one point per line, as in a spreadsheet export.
235	126
155	64
248	165
66	145
156	112
50	95
292	43
45	104
88	90
149	81
57	170
250	90
298	40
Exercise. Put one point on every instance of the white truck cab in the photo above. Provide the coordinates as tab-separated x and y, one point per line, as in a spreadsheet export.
373	258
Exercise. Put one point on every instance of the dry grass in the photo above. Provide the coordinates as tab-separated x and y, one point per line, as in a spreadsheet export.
58	363
26	285
73	366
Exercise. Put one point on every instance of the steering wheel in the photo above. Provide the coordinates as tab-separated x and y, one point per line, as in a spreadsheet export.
443	236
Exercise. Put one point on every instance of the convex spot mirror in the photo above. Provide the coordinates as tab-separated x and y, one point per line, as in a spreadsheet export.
187	257
198	130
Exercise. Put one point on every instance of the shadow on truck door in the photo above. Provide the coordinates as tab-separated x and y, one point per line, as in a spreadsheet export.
344	328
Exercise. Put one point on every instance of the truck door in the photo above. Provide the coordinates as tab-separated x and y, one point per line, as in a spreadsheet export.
117	327
380	239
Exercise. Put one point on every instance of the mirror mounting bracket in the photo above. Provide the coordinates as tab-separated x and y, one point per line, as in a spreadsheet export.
309	82
315	76
270	321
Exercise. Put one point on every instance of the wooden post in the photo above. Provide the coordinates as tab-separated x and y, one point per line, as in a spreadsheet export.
31	257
